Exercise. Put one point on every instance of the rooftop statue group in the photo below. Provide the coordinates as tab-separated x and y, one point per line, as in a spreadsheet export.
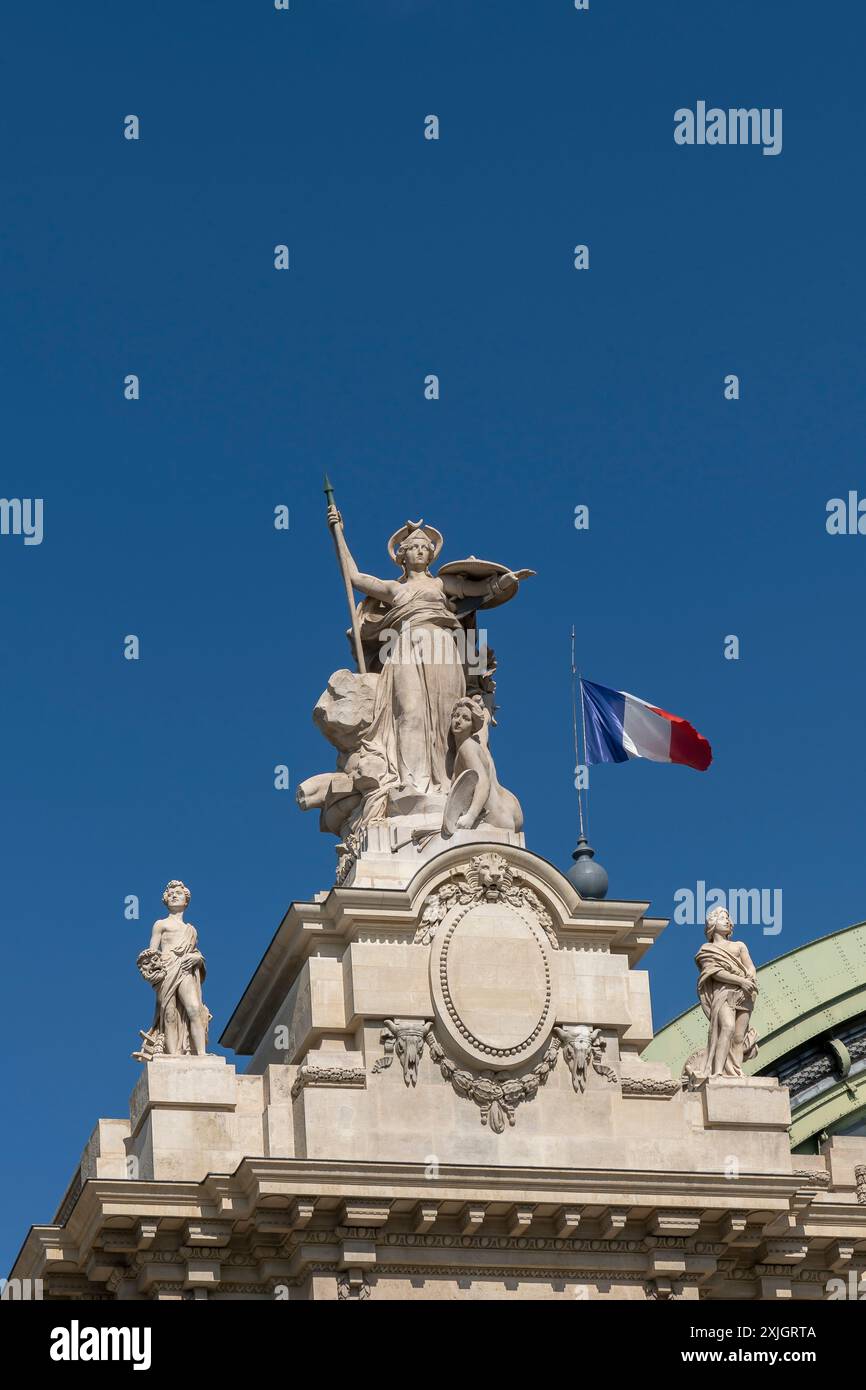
411	723
411	726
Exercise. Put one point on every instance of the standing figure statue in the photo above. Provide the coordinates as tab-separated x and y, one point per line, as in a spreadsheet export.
175	967
412	632
727	989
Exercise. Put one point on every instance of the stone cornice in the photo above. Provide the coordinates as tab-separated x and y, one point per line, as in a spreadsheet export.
279	1221
388	1190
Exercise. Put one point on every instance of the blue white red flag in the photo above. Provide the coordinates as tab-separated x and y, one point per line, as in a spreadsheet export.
619	726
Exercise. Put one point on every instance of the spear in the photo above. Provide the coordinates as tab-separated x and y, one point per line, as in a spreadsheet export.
337	526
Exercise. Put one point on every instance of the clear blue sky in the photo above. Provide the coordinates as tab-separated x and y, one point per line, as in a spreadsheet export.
558	388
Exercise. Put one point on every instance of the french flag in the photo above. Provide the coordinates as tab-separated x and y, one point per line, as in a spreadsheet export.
619	726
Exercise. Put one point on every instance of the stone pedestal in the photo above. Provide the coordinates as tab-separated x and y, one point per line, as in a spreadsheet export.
190	1116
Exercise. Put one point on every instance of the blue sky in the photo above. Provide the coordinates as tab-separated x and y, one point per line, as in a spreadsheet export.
558	388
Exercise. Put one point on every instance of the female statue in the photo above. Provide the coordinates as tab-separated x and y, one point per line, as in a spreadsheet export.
488	802
412	634
727	989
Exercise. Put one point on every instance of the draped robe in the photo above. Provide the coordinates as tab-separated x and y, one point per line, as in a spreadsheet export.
421	678
714	995
177	1034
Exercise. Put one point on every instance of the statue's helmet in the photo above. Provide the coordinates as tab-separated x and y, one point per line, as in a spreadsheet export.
413	531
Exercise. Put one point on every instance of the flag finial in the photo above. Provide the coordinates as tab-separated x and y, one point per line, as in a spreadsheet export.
589	878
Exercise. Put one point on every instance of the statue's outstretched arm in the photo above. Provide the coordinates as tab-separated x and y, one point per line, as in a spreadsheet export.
367	583
461	586
371	586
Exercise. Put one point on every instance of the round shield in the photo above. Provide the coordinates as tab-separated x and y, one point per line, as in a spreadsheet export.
474	568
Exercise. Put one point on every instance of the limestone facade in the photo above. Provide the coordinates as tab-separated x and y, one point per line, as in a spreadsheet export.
445	1099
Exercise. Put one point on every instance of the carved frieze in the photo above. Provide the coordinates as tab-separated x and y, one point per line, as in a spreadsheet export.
812	1178
327	1076
651	1086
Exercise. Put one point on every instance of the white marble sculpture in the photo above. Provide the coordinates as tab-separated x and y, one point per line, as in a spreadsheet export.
175	967
476	796
727	989
392	721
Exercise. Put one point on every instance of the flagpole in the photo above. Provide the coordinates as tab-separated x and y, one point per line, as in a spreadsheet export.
336	527
583	727
589	878
574	729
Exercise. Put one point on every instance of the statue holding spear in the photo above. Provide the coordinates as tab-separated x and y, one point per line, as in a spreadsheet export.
409	640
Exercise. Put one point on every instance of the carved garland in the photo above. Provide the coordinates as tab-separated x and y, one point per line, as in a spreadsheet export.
496	1095
812	1178
650	1086
327	1076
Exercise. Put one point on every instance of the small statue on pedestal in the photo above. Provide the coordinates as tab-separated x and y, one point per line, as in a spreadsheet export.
727	989
175	967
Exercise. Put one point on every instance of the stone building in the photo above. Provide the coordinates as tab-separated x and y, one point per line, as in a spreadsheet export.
442	1082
